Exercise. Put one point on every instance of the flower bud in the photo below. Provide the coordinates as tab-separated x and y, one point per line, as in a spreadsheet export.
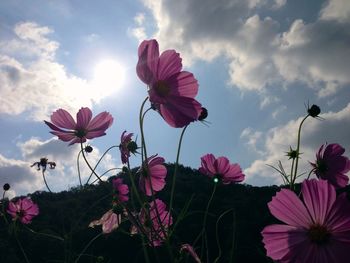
88	149
6	187
314	111
203	115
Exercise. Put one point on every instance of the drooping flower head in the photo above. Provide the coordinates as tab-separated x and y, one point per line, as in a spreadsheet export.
152	175
171	91
127	146
109	221
331	165
24	210
156	223
67	129
43	162
317	228
220	168
121	190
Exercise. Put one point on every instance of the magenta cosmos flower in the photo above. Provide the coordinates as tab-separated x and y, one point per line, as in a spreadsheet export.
221	169
158	222
121	190
64	126
317	230
127	146
154	177
109	221
171	91
24	210
331	165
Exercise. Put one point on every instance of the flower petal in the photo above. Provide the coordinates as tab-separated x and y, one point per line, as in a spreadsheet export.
169	64
283	241
319	196
183	84
147	64
84	116
63	119
102	120
288	208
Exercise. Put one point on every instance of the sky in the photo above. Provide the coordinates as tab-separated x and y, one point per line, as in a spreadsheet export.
259	65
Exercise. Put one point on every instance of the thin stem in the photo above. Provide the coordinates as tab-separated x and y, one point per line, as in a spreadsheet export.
217	233
86	247
291	173
3	207
45	181
144	248
78	167
175	170
143	144
98	162
133	186
233	237
109	170
20	246
298	151
205	217
312	170
88	164
44	234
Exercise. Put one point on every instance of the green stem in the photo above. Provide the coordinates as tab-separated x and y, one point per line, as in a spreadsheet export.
78	167
217	233
143	144
44	234
291	174
45	181
298	151
133	186
175	170
233	237
3	207
109	170
205	217
98	162
86	247
20	246
88	164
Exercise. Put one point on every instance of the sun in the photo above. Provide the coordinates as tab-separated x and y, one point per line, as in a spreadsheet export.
108	76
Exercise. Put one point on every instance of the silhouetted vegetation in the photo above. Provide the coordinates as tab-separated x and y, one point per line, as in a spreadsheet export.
67	215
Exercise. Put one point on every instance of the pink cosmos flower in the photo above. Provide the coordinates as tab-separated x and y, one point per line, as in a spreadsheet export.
109	221
221	168
24	210
171	91
154	178
121	190
317	230
64	126
188	248
127	146
158	222
331	165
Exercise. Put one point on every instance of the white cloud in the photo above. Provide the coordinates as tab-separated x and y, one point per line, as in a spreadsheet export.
25	179
253	139
33	82
314	134
338	10
259	54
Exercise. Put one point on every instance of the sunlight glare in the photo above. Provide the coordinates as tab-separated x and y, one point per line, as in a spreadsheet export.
109	76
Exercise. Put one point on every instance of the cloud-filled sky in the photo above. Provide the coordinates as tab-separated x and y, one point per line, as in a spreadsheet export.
259	63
